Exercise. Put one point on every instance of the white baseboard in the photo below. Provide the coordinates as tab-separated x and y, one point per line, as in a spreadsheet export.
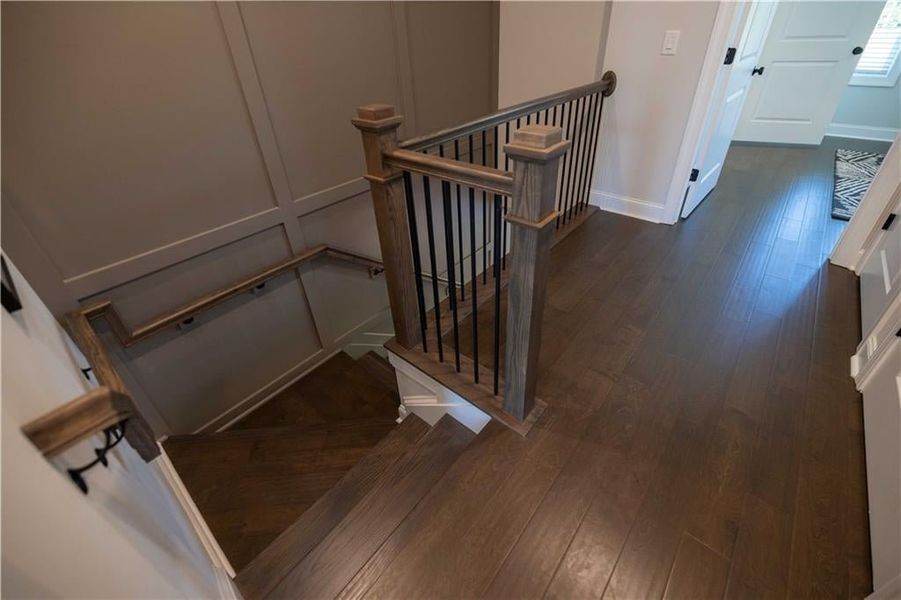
631	207
192	513
889	591
862	132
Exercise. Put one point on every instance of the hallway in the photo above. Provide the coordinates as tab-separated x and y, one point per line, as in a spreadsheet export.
703	435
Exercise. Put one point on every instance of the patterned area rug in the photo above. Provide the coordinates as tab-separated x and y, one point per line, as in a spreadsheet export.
854	171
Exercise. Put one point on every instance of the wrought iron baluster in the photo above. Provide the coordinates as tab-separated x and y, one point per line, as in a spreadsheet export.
594	146
475	283
585	154
417	259
497	293
460	227
451	276
427	189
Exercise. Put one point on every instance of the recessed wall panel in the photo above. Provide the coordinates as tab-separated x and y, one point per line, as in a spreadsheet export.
124	128
317	62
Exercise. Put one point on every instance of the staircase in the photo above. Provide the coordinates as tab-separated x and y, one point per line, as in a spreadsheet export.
302	492
319	493
252	481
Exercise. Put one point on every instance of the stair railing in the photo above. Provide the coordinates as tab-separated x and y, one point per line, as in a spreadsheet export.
444	204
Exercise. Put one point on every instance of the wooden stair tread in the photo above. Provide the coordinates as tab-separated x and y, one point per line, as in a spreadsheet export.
251	485
268	568
379	368
328	567
207	448
449	505
337	390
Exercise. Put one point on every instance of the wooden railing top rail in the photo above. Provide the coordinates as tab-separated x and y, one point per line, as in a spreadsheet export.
605	85
126	337
79	419
139	433
473	175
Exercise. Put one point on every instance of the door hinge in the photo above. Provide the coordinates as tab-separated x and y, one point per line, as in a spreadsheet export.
730	56
694	175
888	221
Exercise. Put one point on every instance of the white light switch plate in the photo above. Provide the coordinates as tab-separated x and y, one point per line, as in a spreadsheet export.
670	42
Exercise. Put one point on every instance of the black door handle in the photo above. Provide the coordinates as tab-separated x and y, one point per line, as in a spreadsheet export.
756	71
857	50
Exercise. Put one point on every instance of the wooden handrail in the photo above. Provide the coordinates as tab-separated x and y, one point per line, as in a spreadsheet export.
126	337
605	85
477	176
79	419
139	434
111	403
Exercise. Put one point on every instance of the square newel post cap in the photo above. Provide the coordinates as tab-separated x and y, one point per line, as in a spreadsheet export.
537	143
377	117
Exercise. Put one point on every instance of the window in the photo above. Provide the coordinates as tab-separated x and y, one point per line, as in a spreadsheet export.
879	64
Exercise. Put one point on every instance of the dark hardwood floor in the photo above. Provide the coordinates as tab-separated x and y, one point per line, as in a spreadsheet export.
703	438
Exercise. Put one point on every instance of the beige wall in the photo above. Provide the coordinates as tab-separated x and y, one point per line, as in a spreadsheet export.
645	119
870	106
153	152
545	47
127	538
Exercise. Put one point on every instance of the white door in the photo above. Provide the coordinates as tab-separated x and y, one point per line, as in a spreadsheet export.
807	61
748	36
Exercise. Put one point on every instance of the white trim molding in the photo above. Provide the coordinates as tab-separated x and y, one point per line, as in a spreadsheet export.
192	513
890	591
726	14
631	207
862	132
429	400
860	233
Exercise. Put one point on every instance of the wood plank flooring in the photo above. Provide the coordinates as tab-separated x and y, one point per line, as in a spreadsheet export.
702	438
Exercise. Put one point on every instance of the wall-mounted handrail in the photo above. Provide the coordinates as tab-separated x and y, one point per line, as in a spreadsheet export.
78	420
477	176
99	410
606	85
126	337
111	404
139	434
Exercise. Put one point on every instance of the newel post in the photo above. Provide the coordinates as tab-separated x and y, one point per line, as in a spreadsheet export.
378	125
535	152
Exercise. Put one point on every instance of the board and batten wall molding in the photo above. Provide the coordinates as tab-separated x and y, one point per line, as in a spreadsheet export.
260	135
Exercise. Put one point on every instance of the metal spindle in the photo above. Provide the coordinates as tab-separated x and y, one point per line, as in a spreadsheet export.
451	271
504	238
460	226
417	260
594	145
568	120
475	283
585	155
427	189
484	223
507	167
506	141
497	294
573	150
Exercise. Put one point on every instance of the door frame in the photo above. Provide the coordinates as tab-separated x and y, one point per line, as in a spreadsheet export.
726	14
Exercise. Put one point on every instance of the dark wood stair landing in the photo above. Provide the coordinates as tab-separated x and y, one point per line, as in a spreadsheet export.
254	480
